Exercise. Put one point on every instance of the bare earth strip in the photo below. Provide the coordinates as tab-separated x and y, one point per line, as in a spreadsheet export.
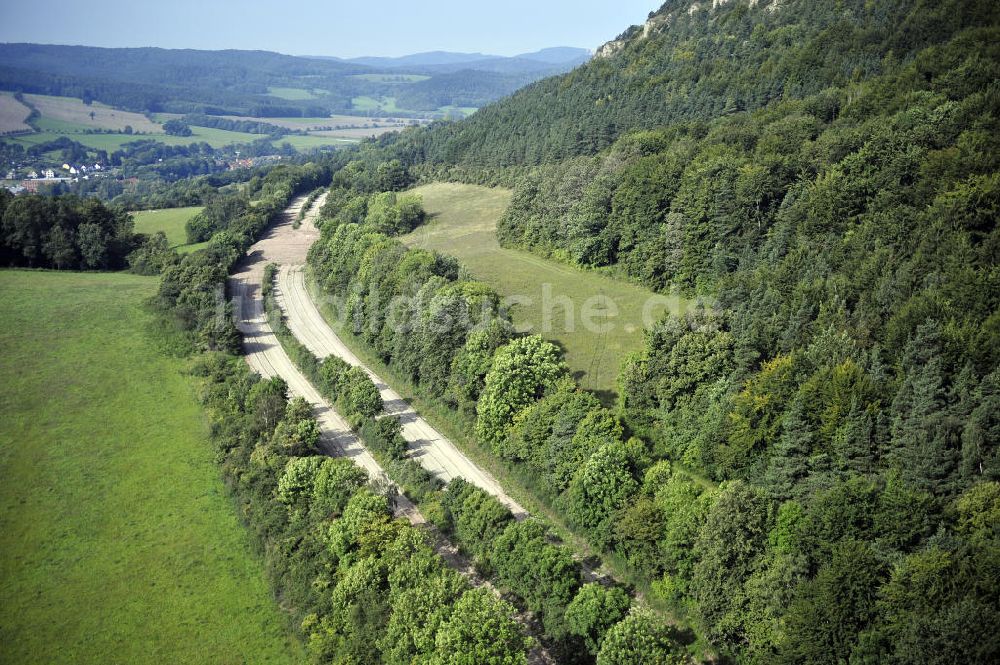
13	115
288	247
266	357
428	446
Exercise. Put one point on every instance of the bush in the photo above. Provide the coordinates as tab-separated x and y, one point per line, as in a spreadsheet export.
384	435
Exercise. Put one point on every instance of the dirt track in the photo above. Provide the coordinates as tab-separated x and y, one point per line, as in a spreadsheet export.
286	246
428	446
265	355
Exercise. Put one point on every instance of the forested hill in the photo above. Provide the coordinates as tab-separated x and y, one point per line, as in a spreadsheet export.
695	61
815	470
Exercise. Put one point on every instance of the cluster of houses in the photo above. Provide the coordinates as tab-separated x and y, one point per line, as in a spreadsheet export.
80	170
250	162
38	178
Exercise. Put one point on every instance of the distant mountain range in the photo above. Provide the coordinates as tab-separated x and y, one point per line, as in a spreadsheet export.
264	84
549	60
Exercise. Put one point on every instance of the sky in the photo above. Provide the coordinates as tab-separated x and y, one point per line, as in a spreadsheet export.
325	27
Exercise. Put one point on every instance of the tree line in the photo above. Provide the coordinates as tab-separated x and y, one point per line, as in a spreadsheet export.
359	585
64	232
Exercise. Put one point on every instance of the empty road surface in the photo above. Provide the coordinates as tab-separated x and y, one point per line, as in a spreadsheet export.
286	246
428	446
266	357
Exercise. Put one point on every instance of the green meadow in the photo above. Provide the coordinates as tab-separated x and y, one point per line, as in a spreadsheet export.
553	299
120	543
366	103
217	138
171	221
292	94
311	142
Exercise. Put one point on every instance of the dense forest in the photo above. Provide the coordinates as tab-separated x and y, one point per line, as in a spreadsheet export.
806	467
693	62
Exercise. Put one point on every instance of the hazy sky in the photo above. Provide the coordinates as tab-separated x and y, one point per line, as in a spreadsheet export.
325	27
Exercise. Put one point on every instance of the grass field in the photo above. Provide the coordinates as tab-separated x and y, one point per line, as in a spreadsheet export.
95	116
119	542
306	143
463	224
171	221
13	115
459	111
291	94
386	104
217	138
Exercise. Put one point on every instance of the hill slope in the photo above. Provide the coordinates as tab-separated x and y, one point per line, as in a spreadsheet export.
694	61
815	452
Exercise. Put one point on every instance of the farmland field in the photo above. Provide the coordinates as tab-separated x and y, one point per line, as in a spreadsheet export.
171	221
217	138
463	224
120	542
309	124
70	117
365	103
292	94
350	127
13	115
95	116
305	143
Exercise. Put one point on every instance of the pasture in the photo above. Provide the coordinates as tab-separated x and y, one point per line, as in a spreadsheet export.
597	319
13	115
312	141
171	221
293	94
217	138
95	116
120	543
366	103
